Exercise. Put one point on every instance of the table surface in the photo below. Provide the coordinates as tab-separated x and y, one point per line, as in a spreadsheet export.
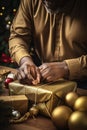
38	123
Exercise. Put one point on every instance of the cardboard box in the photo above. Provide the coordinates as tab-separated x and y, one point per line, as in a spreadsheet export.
17	102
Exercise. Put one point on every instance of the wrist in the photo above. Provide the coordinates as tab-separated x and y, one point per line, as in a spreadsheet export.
26	59
66	70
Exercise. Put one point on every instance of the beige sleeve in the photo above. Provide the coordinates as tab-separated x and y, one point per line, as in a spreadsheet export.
20	32
77	68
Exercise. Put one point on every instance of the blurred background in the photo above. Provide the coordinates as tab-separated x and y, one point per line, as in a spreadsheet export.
8	9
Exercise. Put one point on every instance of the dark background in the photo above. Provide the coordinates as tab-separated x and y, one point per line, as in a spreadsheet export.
8	9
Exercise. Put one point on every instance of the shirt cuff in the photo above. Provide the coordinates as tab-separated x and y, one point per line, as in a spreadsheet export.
74	68
19	55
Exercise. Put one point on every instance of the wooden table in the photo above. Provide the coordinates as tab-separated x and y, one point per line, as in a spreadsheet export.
39	123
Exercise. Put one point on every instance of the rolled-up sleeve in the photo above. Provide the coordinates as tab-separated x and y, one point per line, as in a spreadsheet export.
77	68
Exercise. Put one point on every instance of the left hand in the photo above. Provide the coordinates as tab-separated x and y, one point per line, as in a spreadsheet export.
53	71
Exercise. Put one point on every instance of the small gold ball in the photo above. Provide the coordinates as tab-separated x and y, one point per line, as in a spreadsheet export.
70	98
60	116
78	121
34	111
81	104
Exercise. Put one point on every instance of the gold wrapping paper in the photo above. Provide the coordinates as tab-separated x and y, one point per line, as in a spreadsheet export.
4	69
17	102
46	96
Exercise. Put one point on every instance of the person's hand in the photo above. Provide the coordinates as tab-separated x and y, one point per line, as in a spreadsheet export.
53	71
28	72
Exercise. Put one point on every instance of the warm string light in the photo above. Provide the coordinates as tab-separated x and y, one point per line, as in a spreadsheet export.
9	22
14	10
6	16
1	13
3	8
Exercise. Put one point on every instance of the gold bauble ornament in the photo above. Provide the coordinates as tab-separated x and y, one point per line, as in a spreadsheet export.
78	121
70	98
34	110
60	116
81	104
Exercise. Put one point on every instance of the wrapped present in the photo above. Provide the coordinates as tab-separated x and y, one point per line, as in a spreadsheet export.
5	70
46	96
16	102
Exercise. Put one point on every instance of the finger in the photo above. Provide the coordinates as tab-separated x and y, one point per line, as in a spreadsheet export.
28	72
38	75
30	77
49	79
35	82
18	76
27	69
45	74
21	72
43	67
33	72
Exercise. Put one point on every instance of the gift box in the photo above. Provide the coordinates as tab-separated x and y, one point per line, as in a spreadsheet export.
16	102
4	70
45	96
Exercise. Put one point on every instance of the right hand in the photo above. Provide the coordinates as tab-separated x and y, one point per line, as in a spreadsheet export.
28	72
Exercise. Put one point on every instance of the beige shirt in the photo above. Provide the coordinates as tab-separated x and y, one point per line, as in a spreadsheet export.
56	37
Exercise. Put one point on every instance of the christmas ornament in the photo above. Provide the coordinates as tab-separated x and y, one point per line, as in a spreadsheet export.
10	78
70	98
81	104
7	18
60	116
7	26
15	114
78	121
34	110
5	58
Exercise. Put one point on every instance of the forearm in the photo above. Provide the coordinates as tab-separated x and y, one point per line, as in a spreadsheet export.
65	69
26	59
